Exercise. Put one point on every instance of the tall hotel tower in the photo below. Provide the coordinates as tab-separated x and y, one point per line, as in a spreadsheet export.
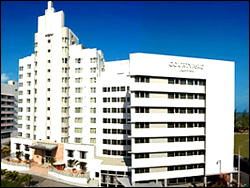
152	119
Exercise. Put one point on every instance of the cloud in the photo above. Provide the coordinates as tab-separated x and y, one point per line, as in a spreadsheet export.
4	78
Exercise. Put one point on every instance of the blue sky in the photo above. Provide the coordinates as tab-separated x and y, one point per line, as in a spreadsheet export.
205	29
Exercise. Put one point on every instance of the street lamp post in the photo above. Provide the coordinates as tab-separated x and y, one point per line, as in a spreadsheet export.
239	163
219	161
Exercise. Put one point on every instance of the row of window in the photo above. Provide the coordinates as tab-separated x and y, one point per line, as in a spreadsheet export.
116	131
142	94
114	89
116	142
21	75
116	110
142	125
115	99
115	152
171	168
172	154
171	110
170	139
27	135
182	81
116	121
82	154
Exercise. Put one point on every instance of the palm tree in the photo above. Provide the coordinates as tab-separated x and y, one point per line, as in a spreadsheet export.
25	178
3	172
82	165
19	154
12	175
52	160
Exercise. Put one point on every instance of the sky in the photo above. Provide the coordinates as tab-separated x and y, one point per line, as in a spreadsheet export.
202	29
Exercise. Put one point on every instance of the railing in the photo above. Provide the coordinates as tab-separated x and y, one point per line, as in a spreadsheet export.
15	163
69	174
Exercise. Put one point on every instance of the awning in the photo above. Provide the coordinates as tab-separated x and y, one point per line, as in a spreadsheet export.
45	146
59	163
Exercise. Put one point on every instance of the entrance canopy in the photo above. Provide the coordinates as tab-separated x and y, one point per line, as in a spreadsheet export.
44	146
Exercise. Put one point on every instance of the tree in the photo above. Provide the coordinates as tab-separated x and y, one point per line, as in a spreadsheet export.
19	154
82	165
25	178
244	120
12	175
3	172
52	160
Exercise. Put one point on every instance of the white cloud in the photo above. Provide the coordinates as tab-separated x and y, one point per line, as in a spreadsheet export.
4	78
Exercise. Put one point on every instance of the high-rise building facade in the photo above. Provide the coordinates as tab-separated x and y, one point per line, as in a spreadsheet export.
8	111
151	119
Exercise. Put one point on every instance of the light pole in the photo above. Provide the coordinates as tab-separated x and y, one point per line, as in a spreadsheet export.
219	161
239	163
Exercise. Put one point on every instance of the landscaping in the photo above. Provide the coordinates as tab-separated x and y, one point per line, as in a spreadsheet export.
239	139
14	179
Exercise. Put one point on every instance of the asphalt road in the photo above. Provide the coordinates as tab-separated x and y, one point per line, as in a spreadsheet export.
244	178
38	181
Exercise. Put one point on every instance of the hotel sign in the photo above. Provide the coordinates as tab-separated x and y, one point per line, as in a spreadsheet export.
186	67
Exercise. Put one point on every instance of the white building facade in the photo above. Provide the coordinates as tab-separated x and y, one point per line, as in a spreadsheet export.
9	97
150	119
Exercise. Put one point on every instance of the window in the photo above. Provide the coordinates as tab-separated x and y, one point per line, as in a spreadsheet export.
70	153
171	81
92	80
92	140
171	95
28	127
28	75
29	66
93	100
92	110
49	41
93	90
190	96
92	120
190	82
78	80
141	155
18	146
141	170
78	100
183	96
48	50
141	110
20	68
78	110
26	148
92	70
83	155
202	82
20	76
93	130
142	79
65	129
183	81
171	110
78	120
27	135
78	90
78	140
141	140
78	130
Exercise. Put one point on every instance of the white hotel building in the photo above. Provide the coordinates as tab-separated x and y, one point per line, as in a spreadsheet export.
155	119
